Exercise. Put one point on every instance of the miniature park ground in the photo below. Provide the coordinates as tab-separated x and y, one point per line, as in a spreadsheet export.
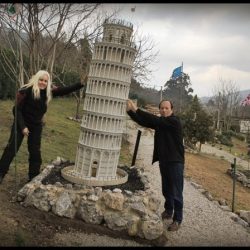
20	226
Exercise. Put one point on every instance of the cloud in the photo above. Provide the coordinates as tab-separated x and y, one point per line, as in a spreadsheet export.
212	41
205	79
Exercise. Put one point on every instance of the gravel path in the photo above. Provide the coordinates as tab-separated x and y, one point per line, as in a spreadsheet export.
204	223
91	240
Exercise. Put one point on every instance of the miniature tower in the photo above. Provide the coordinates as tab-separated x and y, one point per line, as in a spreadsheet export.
104	111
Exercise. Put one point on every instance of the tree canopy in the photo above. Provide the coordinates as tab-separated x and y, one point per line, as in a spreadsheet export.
198	125
178	90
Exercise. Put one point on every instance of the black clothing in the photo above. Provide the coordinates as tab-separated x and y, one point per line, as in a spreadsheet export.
172	189
169	151
168	138
30	112
34	145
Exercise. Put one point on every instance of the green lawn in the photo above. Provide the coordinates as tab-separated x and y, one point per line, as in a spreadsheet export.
60	135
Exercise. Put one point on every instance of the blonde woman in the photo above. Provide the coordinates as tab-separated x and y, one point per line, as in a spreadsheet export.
31	104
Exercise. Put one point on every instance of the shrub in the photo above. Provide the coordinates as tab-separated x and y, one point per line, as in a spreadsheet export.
228	133
239	136
225	140
235	128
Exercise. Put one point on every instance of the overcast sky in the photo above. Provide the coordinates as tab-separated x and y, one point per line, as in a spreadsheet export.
212	41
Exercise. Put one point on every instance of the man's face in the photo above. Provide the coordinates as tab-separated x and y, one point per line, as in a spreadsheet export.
165	109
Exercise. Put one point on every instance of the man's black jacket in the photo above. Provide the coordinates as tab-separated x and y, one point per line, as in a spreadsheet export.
168	138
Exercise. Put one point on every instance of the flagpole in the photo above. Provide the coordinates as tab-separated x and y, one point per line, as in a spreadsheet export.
181	87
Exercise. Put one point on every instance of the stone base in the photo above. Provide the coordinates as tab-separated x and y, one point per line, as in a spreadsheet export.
137	213
68	174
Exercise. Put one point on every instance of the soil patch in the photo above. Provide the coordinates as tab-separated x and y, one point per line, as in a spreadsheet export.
133	184
28	226
211	173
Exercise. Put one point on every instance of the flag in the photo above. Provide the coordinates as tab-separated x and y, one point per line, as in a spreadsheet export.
177	72
246	101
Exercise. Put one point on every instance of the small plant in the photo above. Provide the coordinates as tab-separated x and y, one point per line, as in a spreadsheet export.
19	239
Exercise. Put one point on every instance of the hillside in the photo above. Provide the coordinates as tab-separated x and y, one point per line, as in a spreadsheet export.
243	95
149	95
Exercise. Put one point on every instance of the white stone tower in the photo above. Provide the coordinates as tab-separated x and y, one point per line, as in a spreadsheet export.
104	108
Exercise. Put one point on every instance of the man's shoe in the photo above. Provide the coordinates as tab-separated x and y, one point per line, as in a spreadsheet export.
166	216
174	226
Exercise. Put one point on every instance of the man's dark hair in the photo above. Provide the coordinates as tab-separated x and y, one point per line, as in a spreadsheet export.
171	104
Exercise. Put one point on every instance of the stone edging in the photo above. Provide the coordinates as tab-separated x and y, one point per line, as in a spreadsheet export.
136	213
242	217
240	177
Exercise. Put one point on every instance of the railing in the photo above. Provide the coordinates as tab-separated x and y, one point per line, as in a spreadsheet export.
116	40
119	22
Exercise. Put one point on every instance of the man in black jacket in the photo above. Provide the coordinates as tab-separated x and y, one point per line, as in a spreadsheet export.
31	104
169	151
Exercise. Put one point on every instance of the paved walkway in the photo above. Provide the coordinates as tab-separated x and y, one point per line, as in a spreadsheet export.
207	148
205	223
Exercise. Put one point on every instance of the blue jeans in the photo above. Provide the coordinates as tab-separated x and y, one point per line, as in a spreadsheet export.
172	188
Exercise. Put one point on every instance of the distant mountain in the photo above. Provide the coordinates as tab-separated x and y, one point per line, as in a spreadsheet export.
205	99
243	94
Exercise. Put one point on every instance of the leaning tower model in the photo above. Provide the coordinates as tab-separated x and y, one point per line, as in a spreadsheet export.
104	110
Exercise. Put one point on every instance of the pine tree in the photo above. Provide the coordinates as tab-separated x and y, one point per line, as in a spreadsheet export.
197	125
179	92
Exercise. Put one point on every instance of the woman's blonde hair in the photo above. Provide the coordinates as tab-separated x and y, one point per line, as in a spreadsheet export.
33	82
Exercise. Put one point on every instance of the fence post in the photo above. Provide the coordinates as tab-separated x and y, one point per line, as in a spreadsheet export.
234	180
136	147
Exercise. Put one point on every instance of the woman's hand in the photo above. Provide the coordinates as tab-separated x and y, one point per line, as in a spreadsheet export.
26	131
131	105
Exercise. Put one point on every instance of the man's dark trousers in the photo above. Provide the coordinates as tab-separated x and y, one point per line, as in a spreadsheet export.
172	188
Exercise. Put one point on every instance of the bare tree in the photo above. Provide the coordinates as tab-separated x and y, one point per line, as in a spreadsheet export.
39	28
226	99
48	35
44	35
145	57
